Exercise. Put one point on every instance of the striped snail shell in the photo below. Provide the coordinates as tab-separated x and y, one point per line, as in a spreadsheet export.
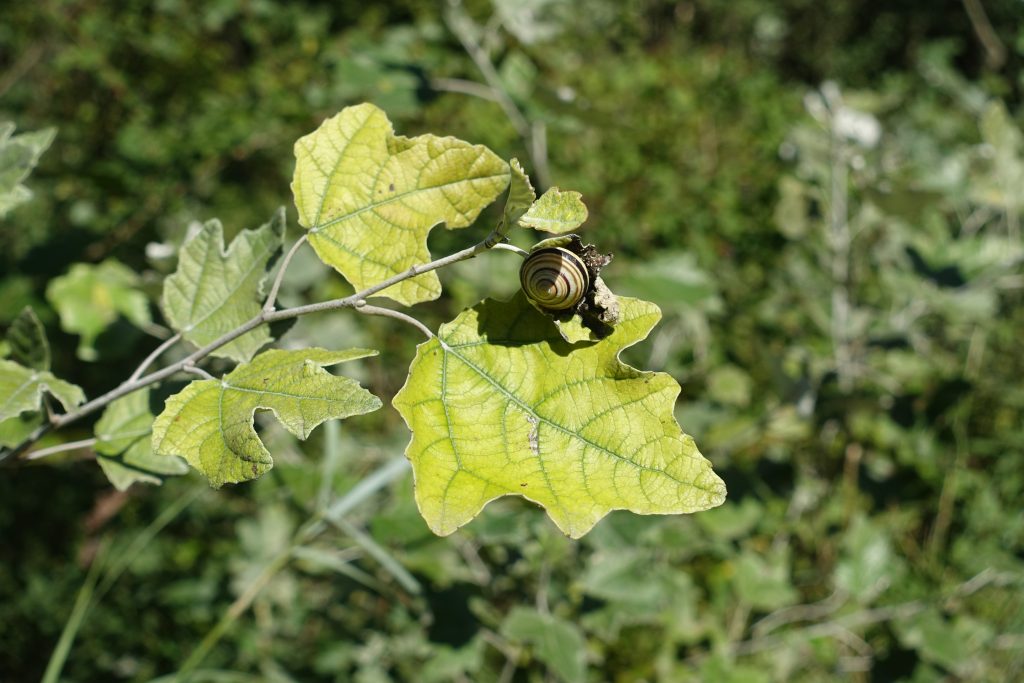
554	278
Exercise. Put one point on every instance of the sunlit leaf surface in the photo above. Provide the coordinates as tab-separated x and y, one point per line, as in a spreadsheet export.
500	404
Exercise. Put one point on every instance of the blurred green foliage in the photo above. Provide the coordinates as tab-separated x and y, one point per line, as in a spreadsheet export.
840	268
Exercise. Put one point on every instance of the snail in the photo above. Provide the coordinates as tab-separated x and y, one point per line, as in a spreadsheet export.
554	278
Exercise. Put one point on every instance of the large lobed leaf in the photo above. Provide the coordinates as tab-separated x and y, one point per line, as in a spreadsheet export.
123	448
89	298
19	154
214	291
500	404
370	198
210	422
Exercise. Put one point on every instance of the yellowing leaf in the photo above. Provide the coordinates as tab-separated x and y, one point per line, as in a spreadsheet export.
500	404
123	448
556	211
369	198
210	422
214	291
91	297
21	389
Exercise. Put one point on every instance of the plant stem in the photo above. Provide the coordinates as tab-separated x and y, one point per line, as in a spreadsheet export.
168	343
352	301
535	136
60	448
272	297
397	315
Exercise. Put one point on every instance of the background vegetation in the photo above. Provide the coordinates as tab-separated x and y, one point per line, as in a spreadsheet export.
824	199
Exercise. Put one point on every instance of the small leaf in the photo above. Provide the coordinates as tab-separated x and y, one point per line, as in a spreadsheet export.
557	643
868	565
123	447
90	298
14	430
520	195
556	211
18	156
213	291
500	404
27	341
21	390
764	582
210	422
369	199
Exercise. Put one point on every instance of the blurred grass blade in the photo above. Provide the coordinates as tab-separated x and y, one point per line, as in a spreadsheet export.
94	589
332	458
336	562
379	553
82	603
366	488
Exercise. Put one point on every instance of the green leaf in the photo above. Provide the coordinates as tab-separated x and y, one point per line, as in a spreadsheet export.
91	297
214	291
123	448
19	154
556	211
868	565
15	430
556	642
500	404
520	195
210	422
764	582
370	198
21	390
27	341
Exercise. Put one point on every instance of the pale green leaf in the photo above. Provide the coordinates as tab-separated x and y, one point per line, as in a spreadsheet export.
556	211
89	298
214	291
520	195
123	448
764	581
26	339
19	154
500	404
210	422
369	198
14	430
21	389
868	564
556	642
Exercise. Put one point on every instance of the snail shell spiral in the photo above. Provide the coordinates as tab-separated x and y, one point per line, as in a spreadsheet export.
554	278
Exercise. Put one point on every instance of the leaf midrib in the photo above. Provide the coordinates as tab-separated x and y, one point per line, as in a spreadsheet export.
565	430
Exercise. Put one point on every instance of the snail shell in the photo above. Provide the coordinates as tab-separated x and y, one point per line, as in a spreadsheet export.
554	278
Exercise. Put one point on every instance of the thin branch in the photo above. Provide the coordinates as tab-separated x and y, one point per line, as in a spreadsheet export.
60	448
351	301
987	577
193	369
996	51
463	26
397	315
504	246
168	343
272	297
